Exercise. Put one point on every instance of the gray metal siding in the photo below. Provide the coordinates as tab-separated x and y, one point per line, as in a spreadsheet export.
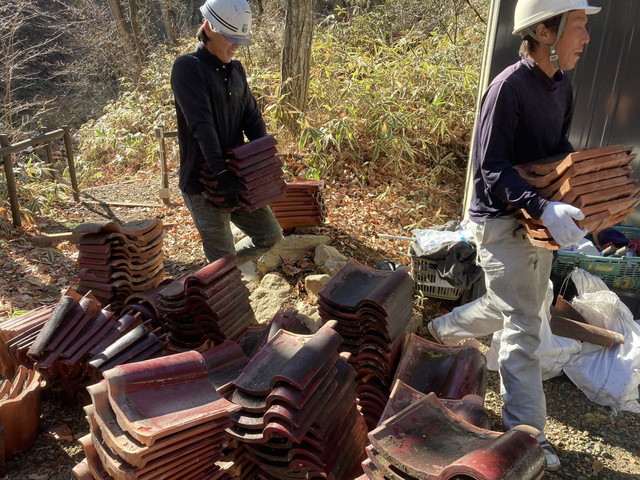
606	80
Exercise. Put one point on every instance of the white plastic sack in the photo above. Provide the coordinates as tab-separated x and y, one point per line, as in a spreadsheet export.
607	376
427	239
554	351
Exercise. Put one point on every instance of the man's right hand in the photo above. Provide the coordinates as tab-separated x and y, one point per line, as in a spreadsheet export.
225	192
559	218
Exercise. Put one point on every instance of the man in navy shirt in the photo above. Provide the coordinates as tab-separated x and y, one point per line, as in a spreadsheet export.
525	116
215	111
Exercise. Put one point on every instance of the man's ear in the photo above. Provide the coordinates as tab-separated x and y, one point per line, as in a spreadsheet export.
207	27
543	33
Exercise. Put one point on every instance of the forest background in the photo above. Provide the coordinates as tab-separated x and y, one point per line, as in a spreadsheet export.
386	90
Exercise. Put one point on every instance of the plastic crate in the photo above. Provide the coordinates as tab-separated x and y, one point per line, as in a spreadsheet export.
427	280
619	273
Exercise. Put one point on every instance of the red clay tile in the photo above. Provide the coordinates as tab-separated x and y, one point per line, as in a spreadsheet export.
155	398
449	371
426	440
20	411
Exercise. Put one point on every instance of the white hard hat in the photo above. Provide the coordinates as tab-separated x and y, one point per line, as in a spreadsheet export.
231	18
532	12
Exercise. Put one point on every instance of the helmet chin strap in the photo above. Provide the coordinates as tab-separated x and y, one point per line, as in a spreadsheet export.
553	55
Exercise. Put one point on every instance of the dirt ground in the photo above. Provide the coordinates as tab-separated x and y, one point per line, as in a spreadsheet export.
591	441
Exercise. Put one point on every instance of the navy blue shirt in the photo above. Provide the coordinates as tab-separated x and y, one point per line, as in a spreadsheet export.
524	116
215	109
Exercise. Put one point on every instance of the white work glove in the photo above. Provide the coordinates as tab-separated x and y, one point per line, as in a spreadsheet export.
559	218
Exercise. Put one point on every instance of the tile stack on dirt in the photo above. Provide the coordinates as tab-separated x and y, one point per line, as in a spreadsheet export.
596	180
372	308
161	418
427	440
75	339
303	205
454	379
17	335
258	168
298	416
206	303
125	340
118	260
20	411
456	374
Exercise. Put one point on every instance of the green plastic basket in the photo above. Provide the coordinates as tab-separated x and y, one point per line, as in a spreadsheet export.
619	273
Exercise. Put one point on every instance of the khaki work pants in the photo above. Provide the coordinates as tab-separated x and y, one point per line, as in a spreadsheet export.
517	278
261	228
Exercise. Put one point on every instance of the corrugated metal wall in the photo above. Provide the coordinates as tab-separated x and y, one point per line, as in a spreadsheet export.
606	80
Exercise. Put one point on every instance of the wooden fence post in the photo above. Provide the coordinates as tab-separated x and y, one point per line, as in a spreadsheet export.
72	167
164	174
7	161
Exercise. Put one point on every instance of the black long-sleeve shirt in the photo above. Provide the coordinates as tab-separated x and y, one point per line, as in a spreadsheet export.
525	116
215	109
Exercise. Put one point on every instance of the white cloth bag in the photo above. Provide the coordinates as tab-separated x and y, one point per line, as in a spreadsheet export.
607	376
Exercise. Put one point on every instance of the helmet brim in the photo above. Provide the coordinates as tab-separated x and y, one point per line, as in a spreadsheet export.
244	41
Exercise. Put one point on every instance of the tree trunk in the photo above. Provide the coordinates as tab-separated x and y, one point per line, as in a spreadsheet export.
296	58
136	29
126	37
169	18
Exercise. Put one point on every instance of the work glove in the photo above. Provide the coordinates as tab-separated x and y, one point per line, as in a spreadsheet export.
225	191
559	218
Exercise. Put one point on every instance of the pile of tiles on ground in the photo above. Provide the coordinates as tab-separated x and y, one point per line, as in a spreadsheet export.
457	375
20	411
161	418
75	331
426	440
128	339
118	260
302	205
298	416
372	308
596	180
206	303
258	168
435	426
16	336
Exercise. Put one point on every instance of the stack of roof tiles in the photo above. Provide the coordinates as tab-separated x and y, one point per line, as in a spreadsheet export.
437	400
257	335
118	260
258	168
456	374
20	410
298	416
302	205
125	340
427	440
161	418
74	331
372	308
206	303
597	180
16	336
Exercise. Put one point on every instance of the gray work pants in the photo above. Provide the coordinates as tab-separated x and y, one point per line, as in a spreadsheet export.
261	228
517	278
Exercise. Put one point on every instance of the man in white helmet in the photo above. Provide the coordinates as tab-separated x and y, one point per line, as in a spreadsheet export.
525	116
215	112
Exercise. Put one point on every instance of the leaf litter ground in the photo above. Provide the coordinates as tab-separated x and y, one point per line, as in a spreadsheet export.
592	443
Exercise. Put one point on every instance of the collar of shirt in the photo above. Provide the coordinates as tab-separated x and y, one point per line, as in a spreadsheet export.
206	55
550	82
